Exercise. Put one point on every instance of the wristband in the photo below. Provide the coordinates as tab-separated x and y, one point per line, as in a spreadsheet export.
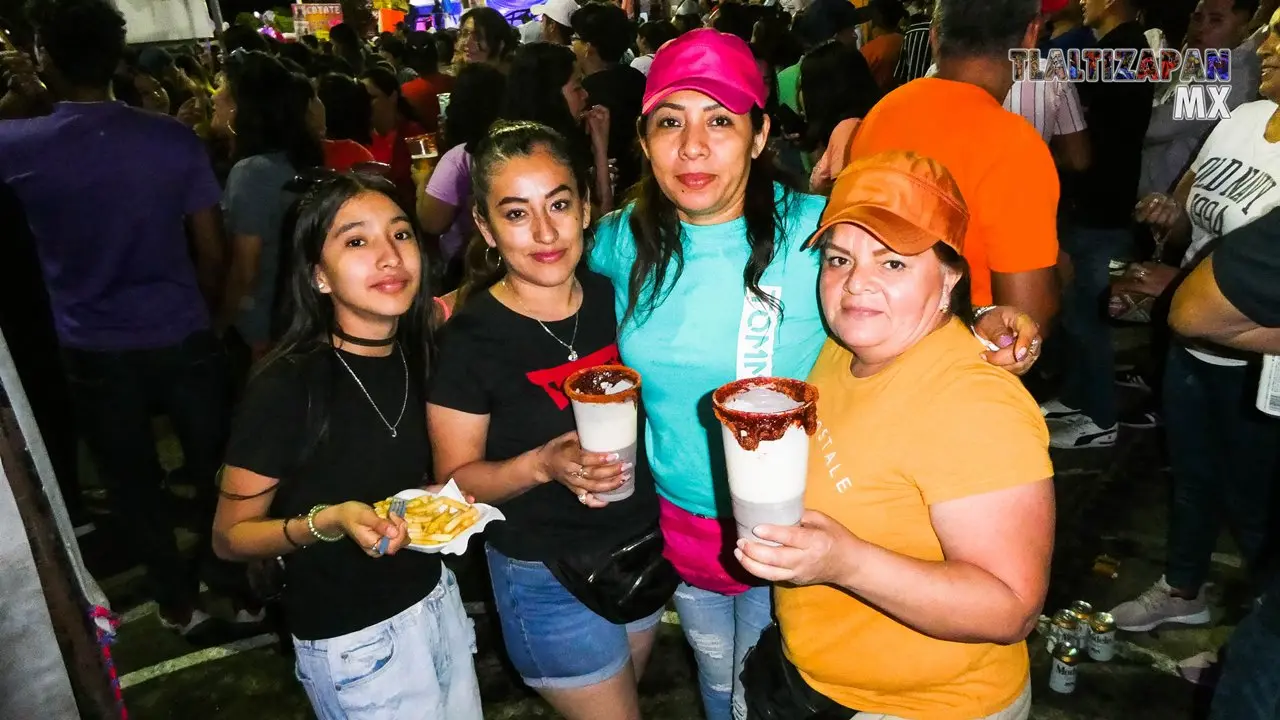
284	527
311	525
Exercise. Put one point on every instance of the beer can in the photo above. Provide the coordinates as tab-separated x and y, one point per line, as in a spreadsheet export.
1064	627
1083	612
1062	676
1268	400
1102	637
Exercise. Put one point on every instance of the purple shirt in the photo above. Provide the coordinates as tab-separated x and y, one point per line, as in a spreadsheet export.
450	183
106	189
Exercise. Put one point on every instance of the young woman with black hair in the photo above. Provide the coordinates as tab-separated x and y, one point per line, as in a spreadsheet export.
484	36
263	111
544	86
502	427
332	422
394	121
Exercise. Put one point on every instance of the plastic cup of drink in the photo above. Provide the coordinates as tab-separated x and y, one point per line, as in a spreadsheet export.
604	400
766	424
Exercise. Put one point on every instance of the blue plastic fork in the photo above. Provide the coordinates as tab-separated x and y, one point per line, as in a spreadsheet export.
397	508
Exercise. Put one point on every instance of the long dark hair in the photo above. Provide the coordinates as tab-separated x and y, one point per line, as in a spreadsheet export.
659	235
348	108
836	84
474	105
386	82
507	140
271	110
535	88
497	34
310	313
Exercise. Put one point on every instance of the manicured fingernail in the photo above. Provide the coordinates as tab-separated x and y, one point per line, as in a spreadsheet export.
1004	340
1020	353
737	554
742	543
628	466
613	457
626	477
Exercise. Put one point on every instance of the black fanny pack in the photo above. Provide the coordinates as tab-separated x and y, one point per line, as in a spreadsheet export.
621	585
774	690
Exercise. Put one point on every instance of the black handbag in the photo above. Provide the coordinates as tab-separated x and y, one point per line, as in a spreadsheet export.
774	690
622	585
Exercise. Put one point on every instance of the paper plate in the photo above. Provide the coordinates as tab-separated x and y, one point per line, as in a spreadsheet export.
458	545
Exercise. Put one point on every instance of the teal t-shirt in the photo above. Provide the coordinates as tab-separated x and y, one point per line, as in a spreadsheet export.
707	331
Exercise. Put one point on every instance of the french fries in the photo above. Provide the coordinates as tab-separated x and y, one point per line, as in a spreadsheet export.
433	520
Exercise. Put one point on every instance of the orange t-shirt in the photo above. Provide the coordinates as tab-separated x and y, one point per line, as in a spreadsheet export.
938	424
1000	162
882	55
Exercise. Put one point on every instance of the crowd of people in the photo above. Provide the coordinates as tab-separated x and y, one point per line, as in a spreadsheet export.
344	269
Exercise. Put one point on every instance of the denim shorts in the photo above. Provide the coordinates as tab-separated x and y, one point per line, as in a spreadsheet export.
415	665
554	640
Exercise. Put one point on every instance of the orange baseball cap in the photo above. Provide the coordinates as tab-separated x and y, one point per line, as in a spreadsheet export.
907	201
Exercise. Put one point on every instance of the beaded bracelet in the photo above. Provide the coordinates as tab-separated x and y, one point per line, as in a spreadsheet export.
311	525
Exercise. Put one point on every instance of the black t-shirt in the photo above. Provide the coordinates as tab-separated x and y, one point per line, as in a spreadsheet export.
1117	114
335	588
1246	266
494	361
621	89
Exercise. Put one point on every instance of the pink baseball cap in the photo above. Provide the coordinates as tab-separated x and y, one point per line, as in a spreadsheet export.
717	64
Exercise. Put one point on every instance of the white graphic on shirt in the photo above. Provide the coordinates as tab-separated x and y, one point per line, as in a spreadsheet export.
758	333
822	439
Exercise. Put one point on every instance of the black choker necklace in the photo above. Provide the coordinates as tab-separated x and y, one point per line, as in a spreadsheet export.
363	342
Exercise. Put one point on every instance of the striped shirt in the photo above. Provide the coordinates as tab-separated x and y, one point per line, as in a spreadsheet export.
1052	107
916	56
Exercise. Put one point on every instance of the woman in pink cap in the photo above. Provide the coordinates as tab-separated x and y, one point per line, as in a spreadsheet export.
711	286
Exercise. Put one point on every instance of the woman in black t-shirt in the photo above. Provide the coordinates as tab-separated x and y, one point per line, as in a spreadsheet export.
502	427
331	424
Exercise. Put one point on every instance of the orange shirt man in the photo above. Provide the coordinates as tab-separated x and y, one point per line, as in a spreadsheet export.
1003	167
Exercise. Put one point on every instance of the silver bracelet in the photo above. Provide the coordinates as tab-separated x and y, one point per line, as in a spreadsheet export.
979	312
311	525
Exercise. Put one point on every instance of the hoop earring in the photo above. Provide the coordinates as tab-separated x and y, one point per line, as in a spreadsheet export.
496	263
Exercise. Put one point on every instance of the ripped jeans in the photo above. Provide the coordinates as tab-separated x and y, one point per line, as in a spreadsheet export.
721	629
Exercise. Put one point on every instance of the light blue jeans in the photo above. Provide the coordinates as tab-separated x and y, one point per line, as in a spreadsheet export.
414	666
721	629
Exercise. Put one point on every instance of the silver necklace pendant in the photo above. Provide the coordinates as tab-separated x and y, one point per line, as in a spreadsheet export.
393	432
573	356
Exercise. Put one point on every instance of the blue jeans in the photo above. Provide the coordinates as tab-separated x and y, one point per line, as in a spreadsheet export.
1250	684
414	666
553	640
1224	454
1088	358
721	629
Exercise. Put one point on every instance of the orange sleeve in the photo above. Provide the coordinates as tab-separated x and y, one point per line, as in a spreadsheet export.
1021	195
988	434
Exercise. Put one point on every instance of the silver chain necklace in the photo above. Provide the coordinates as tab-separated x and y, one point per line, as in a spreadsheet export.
369	397
573	354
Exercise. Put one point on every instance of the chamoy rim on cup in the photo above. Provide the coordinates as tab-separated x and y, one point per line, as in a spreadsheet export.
588	384
751	428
